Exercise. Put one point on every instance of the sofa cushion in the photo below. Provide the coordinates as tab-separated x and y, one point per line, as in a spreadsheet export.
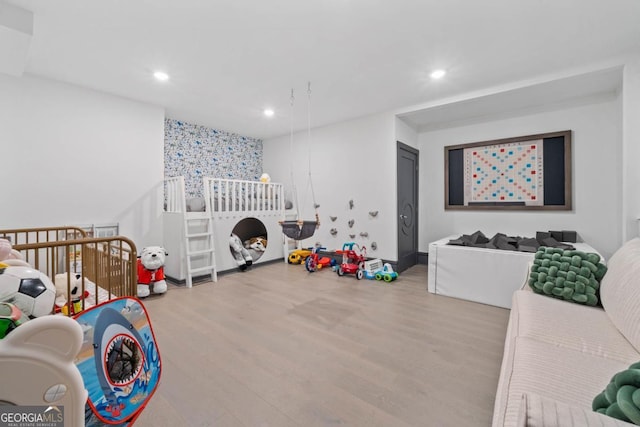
558	373
584	329
620	291
538	411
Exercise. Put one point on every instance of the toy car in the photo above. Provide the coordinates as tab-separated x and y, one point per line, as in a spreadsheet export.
314	262
371	268
367	275
387	274
298	256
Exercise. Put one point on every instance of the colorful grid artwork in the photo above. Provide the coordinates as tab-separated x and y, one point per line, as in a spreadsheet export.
509	173
195	151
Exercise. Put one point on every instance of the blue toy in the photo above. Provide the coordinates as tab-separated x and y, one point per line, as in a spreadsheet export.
370	268
387	274
375	269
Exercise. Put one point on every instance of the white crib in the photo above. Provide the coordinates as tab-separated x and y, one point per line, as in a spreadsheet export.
246	208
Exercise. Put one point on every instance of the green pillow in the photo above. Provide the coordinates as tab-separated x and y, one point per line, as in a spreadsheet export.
567	274
621	398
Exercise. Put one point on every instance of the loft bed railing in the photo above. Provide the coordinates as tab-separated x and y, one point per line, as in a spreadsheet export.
243	197
228	196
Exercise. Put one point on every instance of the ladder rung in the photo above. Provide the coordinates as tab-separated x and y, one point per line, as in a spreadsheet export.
199	269
199	235
200	252
199	219
197	223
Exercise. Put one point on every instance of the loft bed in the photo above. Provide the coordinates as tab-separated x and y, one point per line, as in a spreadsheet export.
249	209
106	265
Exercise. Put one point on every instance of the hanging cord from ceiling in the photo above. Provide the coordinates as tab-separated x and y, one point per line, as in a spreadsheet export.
300	229
294	191
309	144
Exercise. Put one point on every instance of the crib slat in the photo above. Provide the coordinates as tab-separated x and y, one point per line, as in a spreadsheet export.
101	261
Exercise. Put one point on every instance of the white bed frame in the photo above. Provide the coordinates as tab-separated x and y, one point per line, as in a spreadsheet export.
227	202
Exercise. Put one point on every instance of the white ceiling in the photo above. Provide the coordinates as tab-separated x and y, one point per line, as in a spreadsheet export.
228	60
527	98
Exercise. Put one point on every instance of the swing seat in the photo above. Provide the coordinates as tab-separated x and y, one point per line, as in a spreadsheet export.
299	230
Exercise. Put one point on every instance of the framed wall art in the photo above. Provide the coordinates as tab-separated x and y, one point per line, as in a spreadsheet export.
530	172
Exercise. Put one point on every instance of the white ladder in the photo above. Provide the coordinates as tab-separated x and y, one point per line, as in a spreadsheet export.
204	242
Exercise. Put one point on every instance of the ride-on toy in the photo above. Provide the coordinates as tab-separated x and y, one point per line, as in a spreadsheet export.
371	268
298	256
314	262
352	260
387	274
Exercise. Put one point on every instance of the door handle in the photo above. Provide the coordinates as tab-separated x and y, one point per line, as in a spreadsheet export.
403	217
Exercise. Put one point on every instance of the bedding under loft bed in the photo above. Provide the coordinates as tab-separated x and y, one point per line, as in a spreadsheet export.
249	209
107	265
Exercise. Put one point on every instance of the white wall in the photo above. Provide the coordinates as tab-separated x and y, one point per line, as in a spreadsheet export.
631	148
76	156
349	160
597	180
405	133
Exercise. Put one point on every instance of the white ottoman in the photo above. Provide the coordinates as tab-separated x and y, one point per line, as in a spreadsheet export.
488	276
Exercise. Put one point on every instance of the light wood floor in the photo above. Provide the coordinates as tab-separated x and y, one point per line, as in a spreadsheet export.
277	346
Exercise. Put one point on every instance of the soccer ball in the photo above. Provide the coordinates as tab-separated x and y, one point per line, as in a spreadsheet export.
30	290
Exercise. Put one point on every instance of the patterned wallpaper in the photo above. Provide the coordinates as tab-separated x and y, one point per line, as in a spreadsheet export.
196	151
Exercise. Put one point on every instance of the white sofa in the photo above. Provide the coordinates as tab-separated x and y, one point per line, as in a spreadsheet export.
558	355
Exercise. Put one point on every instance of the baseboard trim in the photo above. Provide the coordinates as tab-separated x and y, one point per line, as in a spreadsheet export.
423	258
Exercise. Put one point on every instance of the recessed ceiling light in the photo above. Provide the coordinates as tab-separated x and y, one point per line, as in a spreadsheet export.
161	76
438	74
269	112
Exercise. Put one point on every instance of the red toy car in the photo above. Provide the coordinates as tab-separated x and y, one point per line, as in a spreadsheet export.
352	260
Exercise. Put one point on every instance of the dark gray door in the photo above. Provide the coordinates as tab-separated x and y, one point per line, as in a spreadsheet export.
407	206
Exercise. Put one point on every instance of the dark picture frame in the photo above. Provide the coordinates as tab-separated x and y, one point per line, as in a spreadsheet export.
554	164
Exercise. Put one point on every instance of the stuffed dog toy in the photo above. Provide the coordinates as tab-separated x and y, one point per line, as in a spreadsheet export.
151	271
256	243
